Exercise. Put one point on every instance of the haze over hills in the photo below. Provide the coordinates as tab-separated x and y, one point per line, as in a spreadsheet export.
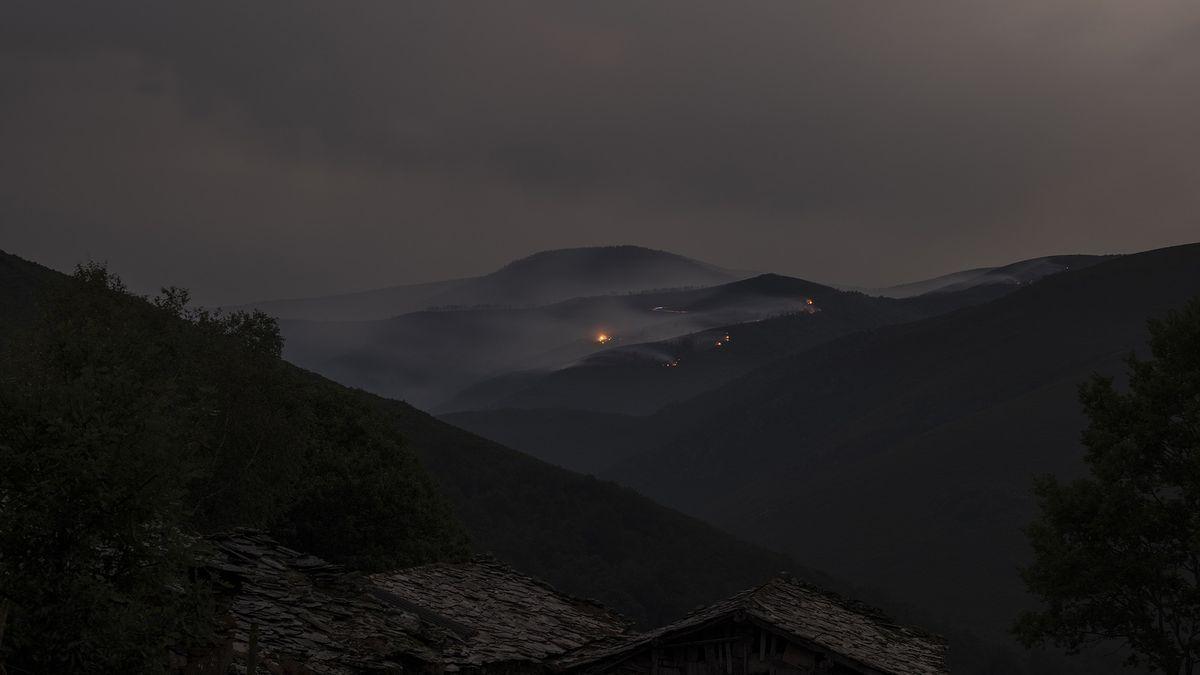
500	340
425	357
1014	274
589	416
332	312
589	537
920	439
630	379
539	279
867	432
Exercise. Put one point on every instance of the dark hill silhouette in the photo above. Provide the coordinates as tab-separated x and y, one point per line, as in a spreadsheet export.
425	357
20	282
902	456
632	380
580	440
1013	274
589	537
539	279
592	537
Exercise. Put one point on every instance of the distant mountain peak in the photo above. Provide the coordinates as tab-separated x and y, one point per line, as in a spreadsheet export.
541	278
617	254
1017	273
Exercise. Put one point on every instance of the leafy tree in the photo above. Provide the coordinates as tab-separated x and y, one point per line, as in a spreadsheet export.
128	426
96	459
1117	553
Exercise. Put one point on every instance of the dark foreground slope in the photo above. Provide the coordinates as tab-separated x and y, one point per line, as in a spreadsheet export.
906	453
588	536
597	539
160	397
320	465
128	425
579	440
20	283
538	279
566	417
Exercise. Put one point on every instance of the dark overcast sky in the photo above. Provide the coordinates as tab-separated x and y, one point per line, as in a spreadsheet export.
262	149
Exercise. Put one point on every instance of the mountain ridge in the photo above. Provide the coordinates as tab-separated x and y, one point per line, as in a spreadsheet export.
1016	273
589	537
540	278
626	379
426	357
764	455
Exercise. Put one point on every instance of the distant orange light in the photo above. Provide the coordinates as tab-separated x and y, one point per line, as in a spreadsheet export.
603	337
810	301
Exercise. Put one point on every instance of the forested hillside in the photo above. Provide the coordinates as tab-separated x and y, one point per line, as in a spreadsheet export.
592	415
201	426
236	436
921	439
128	425
1013	274
589	536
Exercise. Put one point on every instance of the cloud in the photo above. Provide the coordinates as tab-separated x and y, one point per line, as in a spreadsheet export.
316	146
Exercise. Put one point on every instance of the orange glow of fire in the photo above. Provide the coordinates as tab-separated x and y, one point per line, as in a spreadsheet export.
603	337
809	301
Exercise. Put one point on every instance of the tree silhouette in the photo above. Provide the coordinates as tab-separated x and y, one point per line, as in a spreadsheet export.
1117	553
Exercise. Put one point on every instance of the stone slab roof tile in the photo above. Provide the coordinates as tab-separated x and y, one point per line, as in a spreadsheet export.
846	628
312	612
511	617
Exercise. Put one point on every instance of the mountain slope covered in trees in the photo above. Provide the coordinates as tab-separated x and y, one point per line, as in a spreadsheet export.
920	439
129	425
1013	274
334	471
331	470
632	379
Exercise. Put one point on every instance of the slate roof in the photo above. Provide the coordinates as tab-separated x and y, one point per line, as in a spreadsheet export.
465	616
511	618
852	631
315	613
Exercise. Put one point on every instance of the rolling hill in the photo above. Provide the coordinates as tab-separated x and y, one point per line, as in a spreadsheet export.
426	357
589	537
580	440
20	283
539	279
1013	274
631	379
594	538
902	456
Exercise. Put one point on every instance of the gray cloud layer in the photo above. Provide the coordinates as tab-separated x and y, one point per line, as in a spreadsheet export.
301	146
